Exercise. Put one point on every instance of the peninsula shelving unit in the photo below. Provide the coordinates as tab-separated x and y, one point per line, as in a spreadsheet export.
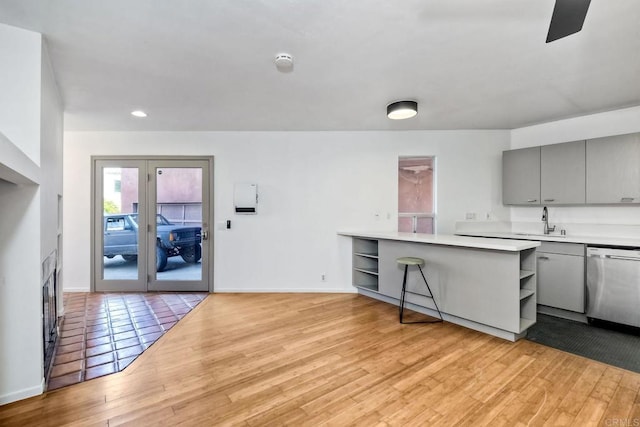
365	264
527	288
484	284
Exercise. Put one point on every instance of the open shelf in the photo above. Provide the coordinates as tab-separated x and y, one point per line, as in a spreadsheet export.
526	273
524	293
526	324
527	291
367	270
365	264
373	288
372	255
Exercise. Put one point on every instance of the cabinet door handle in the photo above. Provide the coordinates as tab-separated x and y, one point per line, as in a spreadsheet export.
549	200
626	199
543	257
532	200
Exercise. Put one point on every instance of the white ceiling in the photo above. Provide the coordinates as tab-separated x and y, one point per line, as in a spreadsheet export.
208	64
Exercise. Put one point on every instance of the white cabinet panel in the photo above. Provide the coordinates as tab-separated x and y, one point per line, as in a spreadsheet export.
561	281
562	177
613	175
521	176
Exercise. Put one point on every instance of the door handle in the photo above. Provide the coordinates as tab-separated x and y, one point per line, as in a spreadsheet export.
623	258
205	235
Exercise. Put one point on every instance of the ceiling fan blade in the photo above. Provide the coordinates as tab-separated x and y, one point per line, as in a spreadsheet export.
568	17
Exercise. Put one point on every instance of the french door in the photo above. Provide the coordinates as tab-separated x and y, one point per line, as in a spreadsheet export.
151	224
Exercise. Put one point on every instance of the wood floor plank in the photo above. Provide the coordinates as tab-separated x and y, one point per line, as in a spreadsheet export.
620	405
336	359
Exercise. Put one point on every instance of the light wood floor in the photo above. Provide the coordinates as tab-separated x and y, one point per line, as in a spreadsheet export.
337	359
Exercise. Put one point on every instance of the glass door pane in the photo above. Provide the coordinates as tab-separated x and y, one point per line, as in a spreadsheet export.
121	234
118	228
178	204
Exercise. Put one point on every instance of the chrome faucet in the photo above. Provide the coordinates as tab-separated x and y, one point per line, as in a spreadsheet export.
545	218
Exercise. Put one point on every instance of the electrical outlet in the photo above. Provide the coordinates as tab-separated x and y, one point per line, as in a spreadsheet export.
471	215
323	277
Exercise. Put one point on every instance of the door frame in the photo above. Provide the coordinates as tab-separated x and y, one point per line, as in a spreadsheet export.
97	216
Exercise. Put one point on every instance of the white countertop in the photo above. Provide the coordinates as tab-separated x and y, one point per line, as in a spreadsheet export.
589	240
480	242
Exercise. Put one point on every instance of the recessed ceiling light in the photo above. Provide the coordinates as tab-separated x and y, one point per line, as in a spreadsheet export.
139	113
402	110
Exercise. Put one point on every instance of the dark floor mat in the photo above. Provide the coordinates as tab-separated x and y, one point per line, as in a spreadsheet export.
605	345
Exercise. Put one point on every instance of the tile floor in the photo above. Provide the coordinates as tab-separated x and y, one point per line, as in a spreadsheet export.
102	333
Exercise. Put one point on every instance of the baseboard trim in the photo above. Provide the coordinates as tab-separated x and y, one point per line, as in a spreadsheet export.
71	289
256	290
22	394
288	291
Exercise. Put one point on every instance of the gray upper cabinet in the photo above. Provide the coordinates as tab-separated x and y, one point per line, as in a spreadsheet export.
562	173
521	176
613	169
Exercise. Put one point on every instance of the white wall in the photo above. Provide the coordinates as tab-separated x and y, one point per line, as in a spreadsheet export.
27	210
311	185
51	140
20	89
592	126
20	293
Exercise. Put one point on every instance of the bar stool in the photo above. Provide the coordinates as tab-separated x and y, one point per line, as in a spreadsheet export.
407	261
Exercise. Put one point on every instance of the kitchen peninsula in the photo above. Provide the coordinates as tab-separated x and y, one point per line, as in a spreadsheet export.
484	284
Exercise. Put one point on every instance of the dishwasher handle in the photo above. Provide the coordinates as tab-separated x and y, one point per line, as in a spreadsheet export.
630	254
627	258
619	257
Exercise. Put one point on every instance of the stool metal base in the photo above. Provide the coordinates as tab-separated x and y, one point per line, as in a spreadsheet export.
404	291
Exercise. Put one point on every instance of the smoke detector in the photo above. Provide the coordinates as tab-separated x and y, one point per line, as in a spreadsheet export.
284	62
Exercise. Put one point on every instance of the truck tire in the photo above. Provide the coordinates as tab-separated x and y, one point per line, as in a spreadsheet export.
161	259
191	254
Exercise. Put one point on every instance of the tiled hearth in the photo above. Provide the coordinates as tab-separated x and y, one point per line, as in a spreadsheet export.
103	333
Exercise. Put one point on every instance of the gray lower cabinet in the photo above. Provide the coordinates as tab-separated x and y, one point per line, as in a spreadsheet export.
561	280
521	176
613	175
562	173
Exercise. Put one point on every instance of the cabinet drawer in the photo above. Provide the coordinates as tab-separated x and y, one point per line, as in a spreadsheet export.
562	248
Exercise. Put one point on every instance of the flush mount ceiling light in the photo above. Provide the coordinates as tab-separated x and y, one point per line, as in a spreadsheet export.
402	110
138	113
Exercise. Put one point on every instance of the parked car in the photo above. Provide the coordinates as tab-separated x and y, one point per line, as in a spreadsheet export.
121	238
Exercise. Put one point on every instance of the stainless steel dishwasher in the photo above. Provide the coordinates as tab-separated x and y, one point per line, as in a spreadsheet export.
613	285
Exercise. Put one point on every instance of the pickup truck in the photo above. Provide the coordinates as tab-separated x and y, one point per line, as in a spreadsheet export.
121	238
